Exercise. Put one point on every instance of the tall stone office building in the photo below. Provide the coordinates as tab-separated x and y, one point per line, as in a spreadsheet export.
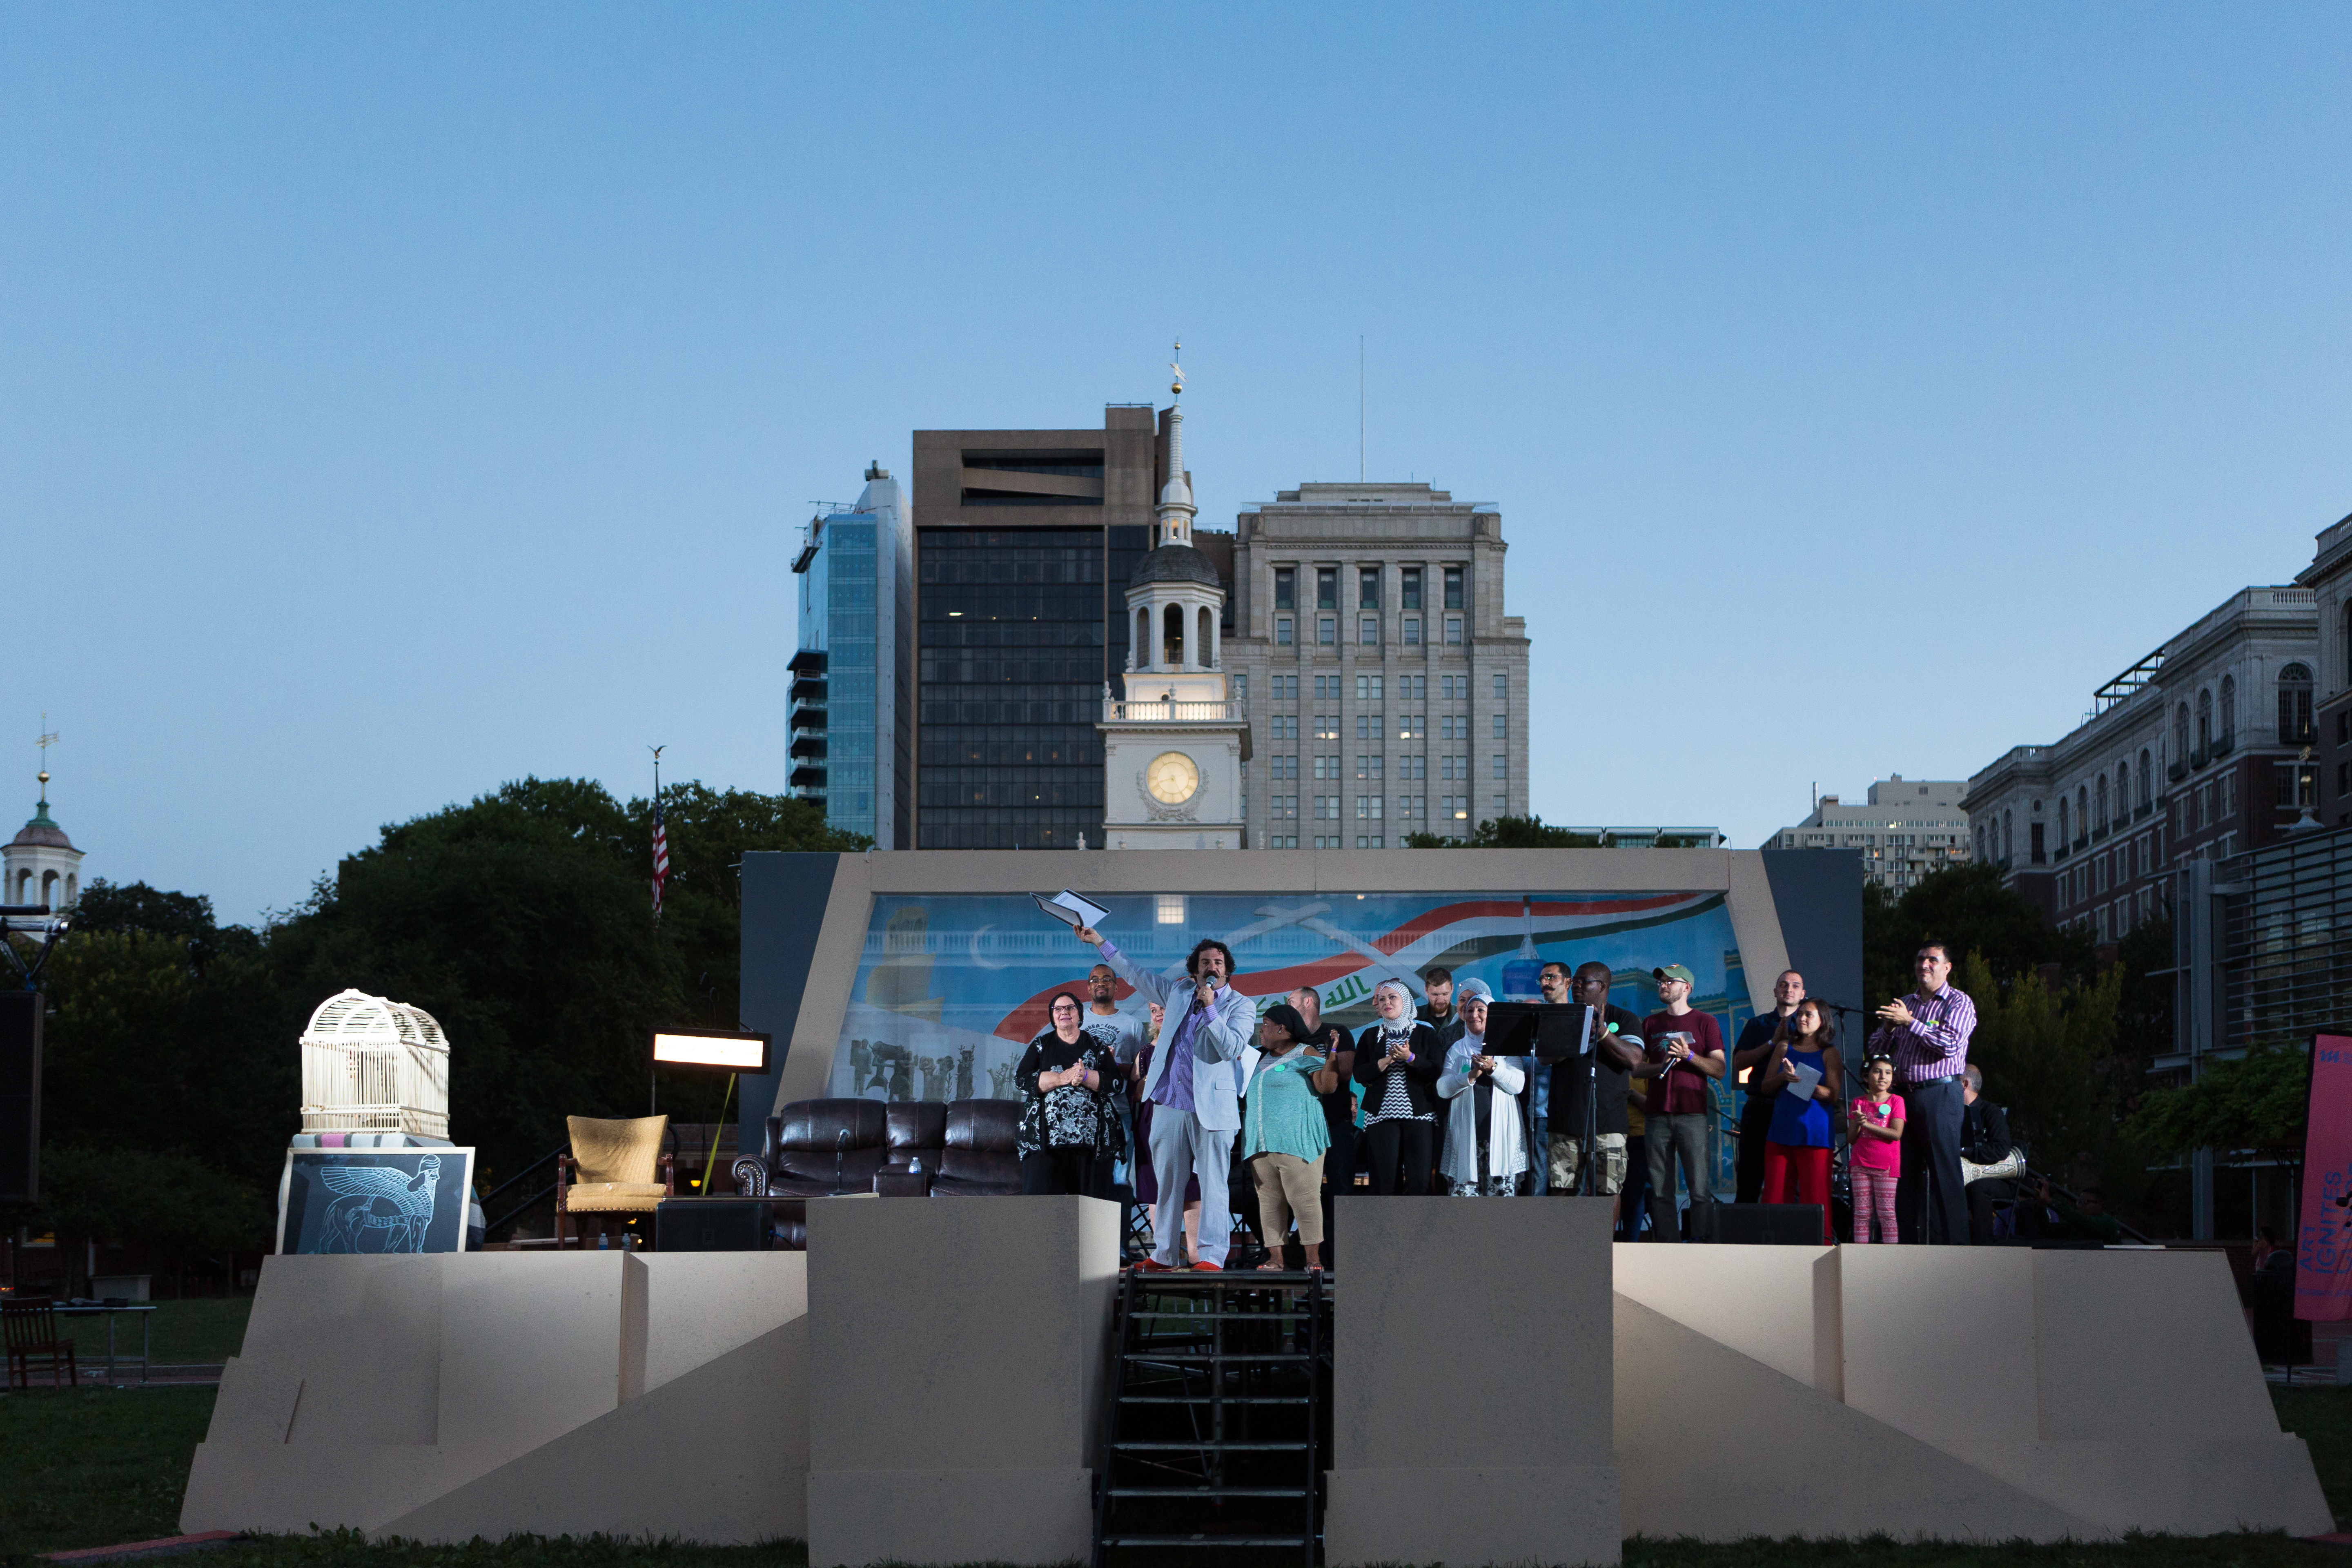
1386	690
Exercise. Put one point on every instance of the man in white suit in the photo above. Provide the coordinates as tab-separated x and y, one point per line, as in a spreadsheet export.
1192	1089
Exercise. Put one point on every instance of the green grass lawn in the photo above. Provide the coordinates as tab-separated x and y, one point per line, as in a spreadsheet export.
95	1467
103	1467
204	1329
2322	1417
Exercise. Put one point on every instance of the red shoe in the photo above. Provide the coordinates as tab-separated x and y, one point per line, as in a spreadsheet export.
1205	1266
1153	1265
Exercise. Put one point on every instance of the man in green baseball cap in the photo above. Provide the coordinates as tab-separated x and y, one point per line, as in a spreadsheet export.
1685	1050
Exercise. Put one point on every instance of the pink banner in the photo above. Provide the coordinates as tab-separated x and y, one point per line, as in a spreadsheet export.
2323	1250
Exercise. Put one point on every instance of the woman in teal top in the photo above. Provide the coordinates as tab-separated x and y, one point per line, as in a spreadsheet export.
1284	1135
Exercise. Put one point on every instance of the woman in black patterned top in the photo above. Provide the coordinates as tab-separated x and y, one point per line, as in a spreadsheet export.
1065	1120
1398	1060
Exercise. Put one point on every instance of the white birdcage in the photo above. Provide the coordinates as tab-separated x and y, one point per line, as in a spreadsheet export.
374	1066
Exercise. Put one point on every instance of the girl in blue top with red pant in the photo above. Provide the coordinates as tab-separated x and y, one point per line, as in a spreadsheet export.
1797	1150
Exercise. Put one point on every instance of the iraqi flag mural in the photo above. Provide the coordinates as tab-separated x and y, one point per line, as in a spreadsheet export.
952	988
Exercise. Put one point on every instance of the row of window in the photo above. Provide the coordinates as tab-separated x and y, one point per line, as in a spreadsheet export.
1368	587
1372	807
1374	727
1367	631
2111	868
1373	688
1369	766
2200	734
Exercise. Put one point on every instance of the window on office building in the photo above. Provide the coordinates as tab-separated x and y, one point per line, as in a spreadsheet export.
1409	584
2295	707
1326	631
1367	588
1453	631
1502	726
1285	588
1454	587
1367	631
1413	631
1282	631
1368	687
1327	587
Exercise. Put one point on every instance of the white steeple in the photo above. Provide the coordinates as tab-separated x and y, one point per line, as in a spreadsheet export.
1175	511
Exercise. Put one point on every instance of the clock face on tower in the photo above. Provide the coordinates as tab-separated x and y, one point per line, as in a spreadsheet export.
1172	778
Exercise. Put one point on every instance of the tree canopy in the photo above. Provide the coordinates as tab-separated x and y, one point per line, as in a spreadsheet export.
522	920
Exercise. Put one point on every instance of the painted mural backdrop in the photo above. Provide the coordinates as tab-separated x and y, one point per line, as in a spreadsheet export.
952	988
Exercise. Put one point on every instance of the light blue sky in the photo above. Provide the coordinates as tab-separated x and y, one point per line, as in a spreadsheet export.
397	399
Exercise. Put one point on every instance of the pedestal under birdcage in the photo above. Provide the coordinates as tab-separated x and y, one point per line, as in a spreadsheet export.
371	1065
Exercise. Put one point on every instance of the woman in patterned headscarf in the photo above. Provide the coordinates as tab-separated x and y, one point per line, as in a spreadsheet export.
1398	1061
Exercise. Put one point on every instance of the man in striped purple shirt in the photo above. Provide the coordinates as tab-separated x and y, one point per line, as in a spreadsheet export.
1928	1033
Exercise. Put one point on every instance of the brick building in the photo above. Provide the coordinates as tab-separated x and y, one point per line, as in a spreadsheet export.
2195	752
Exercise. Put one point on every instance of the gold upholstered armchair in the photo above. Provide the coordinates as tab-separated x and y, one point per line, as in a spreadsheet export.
612	1167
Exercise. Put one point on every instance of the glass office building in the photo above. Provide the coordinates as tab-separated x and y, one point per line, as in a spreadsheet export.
1013	641
851	684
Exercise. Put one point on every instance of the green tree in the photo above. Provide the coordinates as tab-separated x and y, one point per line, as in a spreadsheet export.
2260	1101
1968	906
2047	1054
120	1192
1529	832
105	906
522	923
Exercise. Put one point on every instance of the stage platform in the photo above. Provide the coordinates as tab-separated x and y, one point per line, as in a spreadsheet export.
925	1385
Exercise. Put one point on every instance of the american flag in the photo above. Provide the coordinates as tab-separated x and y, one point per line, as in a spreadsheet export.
661	858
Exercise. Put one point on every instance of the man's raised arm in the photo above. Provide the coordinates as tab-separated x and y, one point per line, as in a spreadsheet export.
1150	986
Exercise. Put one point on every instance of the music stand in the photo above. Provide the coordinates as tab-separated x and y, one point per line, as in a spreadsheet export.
1556	1031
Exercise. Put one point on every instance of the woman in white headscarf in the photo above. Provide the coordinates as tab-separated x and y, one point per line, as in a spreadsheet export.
1485	1151
1397	1062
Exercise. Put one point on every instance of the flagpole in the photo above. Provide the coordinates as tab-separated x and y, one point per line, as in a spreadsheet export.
652	1074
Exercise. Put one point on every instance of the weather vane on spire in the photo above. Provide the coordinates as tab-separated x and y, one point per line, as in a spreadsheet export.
48	738
1177	386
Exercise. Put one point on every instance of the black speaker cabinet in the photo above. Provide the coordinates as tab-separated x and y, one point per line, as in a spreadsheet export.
710	1224
1758	1225
20	1096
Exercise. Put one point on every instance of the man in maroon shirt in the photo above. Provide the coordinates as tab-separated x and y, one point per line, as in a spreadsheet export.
1685	1050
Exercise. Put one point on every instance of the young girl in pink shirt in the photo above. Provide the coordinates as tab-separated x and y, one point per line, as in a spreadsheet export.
1877	1156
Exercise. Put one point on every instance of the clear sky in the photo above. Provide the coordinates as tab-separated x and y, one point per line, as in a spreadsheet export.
398	400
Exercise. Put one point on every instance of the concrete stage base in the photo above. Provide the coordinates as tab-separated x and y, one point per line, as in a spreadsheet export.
959	1351
1992	1393
445	1396
1468	1332
925	1385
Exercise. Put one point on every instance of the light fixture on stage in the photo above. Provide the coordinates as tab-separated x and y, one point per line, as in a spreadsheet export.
712	1050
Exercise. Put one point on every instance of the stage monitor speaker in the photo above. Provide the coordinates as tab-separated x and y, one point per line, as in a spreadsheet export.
711	1225
1758	1225
20	1096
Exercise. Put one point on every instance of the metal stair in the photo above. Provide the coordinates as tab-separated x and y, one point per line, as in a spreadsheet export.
1216	1431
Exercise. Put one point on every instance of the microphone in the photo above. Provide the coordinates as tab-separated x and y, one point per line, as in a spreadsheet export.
840	1142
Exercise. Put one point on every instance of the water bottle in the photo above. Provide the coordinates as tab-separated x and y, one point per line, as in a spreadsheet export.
603	1241
915	1166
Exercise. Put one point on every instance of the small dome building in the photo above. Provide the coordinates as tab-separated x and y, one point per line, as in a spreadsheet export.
40	865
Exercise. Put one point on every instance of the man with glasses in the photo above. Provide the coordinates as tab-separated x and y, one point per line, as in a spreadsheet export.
1928	1033
1120	1034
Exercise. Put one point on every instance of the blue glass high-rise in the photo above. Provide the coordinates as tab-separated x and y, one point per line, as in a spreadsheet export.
853	674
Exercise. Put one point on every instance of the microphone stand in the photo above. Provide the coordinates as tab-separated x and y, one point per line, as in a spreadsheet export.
1852	1074
840	1142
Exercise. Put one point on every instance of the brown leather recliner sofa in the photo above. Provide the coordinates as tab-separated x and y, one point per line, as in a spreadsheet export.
817	1148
